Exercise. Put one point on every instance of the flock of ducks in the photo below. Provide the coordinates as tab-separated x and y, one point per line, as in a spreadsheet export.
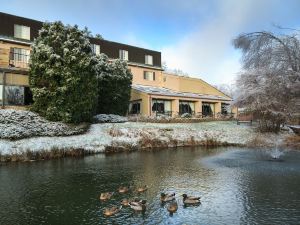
140	205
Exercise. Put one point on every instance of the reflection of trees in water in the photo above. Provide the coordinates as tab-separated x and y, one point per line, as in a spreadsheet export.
14	95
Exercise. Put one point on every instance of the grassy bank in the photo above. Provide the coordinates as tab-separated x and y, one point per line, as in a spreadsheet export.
132	136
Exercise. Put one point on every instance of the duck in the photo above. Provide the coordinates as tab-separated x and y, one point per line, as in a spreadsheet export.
125	202
123	190
138	206
167	197
172	207
106	196
111	211
142	189
189	200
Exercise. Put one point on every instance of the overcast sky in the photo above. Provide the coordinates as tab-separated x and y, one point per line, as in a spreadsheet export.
193	35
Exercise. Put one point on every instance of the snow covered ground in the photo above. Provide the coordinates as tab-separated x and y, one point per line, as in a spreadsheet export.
16	124
109	118
131	135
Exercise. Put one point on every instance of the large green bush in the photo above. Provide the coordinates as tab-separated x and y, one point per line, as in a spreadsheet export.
114	85
63	74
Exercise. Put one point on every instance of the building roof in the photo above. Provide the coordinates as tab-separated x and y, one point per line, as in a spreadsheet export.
110	48
168	92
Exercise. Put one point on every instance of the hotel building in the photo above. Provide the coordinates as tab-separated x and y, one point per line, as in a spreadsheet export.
154	91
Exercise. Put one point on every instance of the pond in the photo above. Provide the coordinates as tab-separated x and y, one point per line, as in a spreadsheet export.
236	185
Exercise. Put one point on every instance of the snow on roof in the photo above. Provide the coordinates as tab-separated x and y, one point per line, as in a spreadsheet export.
168	92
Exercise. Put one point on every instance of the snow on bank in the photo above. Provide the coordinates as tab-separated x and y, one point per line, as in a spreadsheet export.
109	118
135	136
16	124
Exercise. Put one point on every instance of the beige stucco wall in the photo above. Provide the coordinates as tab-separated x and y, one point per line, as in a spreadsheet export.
136	95
138	76
17	79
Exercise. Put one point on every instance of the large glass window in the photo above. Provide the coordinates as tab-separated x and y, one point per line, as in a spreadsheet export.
186	107
148	75
14	95
22	32
225	108
149	59
208	109
123	54
160	106
96	49
1	93
135	107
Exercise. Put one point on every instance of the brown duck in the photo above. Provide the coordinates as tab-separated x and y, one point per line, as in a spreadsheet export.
106	196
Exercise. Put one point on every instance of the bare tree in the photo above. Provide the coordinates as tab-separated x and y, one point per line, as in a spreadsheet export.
228	89
270	81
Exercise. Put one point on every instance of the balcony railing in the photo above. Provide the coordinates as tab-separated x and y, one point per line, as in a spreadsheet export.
19	60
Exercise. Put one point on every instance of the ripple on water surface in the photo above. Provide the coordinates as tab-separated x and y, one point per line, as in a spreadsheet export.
236	186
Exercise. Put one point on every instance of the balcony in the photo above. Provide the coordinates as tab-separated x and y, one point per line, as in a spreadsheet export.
19	60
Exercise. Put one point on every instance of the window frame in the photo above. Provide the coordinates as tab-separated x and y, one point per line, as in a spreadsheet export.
123	54
95	48
23	33
147	57
147	77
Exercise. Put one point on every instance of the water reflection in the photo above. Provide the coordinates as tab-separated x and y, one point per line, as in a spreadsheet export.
236	186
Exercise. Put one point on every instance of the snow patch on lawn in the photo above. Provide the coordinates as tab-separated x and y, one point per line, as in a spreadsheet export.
109	118
16	124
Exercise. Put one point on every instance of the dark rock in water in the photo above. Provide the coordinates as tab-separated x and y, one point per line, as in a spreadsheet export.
276	159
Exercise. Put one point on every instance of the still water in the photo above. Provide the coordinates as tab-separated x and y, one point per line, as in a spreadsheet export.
237	186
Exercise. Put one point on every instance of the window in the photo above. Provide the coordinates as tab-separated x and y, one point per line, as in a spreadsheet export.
96	49
225	108
149	59
1	93
160	106
123	54
148	75
22	32
135	107
186	107
19	55
14	95
208	109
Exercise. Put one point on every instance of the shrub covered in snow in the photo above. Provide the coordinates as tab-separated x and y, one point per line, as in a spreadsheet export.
109	118
63	74
186	115
114	86
17	124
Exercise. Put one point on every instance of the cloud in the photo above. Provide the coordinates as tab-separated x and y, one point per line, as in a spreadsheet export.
207	52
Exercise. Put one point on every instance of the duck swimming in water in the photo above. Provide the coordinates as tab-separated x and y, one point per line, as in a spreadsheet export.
189	200
167	197
172	207
142	189
138	206
111	211
123	190
106	196
125	202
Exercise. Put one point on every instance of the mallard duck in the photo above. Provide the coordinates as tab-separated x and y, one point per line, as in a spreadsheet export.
167	197
172	207
125	202
111	211
190	200
142	189
105	196
123	190
138	206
